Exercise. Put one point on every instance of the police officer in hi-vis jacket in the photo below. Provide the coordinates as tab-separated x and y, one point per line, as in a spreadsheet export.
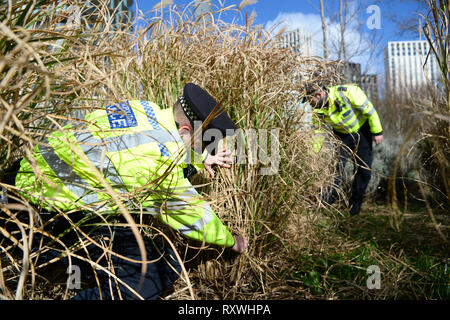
355	122
133	146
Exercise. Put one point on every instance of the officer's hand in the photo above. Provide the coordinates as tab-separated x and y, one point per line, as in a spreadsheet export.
222	158
378	138
240	244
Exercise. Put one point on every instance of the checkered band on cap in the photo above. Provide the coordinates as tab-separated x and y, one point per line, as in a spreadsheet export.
187	109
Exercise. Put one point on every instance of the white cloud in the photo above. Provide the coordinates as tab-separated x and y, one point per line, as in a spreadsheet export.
358	44
294	20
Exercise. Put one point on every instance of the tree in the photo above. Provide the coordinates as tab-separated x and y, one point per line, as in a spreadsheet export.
343	8
324	30
345	34
413	23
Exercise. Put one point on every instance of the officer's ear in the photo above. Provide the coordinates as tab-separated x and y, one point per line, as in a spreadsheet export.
186	132
185	129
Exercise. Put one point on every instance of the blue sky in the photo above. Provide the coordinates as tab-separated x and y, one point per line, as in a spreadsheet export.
305	14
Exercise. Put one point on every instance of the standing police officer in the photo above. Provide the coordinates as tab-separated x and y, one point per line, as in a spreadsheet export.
355	122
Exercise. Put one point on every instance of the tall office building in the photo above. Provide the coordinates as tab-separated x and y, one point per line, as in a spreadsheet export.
369	85
404	65
299	40
351	73
120	11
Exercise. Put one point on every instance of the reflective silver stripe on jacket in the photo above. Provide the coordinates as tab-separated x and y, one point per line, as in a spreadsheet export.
128	141
71	180
95	149
344	98
364	106
355	122
359	108
177	205
200	223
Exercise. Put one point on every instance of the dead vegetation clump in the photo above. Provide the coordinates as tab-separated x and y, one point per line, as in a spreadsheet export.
53	72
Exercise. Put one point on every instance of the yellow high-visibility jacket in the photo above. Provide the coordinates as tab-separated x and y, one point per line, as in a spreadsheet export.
132	146
348	110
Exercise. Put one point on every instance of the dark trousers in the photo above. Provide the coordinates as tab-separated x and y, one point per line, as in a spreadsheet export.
159	277
358	148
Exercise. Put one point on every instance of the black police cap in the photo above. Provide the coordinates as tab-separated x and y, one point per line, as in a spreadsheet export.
198	104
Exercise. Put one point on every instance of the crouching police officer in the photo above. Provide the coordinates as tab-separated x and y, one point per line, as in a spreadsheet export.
355	122
132	147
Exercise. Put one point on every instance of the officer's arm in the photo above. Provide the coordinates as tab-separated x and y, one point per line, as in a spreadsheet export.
187	212
193	163
197	159
361	102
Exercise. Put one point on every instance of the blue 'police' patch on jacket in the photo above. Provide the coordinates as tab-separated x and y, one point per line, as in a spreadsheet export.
121	116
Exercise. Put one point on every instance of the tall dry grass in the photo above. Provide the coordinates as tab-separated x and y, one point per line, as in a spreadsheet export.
426	134
53	72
